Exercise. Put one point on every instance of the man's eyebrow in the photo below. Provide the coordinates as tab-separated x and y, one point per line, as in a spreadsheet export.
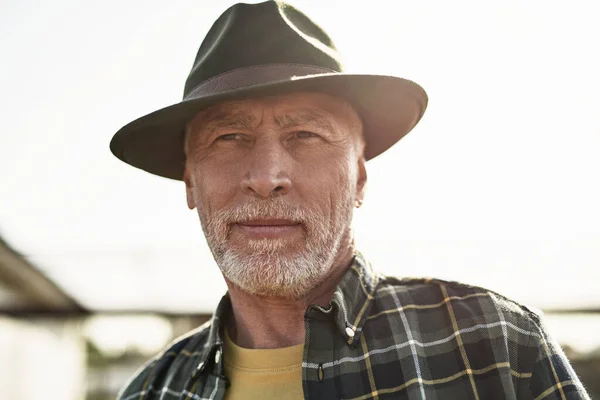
305	117
231	120
228	120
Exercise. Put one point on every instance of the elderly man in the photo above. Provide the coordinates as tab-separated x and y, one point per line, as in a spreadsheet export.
271	140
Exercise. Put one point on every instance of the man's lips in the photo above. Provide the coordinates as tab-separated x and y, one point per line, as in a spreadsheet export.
268	228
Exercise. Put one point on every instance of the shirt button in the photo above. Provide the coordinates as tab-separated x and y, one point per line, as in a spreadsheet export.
217	356
350	332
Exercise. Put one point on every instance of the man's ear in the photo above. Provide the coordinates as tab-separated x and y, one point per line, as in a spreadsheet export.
361	183
188	188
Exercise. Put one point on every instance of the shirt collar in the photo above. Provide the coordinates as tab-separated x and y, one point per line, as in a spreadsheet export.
213	345
349	306
352	299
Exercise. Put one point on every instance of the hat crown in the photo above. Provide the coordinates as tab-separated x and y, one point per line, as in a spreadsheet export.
271	32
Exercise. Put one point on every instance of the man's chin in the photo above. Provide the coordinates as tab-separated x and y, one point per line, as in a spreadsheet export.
272	274
269	247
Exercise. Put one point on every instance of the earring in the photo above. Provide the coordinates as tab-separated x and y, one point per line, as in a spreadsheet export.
358	203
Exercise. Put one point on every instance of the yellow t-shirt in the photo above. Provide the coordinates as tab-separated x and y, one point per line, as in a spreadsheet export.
266	374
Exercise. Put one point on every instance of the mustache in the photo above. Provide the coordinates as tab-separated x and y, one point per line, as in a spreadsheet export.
265	209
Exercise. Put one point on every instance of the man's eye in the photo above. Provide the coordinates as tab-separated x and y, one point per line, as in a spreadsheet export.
305	134
229	137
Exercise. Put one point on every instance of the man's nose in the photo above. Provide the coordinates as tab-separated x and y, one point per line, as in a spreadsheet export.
268	170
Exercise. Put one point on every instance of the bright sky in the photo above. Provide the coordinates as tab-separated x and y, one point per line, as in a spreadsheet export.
497	186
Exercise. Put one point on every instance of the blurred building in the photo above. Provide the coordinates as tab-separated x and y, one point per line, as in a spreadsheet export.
41	356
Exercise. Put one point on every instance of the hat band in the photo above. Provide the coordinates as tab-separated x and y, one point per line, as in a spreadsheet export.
255	75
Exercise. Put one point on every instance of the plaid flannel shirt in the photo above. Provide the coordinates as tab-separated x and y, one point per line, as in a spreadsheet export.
388	338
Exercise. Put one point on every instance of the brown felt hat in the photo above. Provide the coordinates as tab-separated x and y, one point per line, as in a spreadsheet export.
255	50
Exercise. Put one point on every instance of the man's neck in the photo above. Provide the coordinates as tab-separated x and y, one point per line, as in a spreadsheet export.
268	322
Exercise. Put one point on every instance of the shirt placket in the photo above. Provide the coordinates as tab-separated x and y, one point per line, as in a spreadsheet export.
209	380
320	349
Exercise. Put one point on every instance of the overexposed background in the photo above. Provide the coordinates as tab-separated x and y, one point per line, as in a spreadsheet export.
497	186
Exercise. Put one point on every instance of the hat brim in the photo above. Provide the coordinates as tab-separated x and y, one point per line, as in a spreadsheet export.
389	107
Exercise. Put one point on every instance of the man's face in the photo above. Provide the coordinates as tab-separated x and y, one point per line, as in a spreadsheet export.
274	181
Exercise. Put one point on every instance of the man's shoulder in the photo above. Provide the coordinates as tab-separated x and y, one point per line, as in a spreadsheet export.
177	360
462	299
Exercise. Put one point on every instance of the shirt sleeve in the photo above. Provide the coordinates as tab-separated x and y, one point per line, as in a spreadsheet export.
552	376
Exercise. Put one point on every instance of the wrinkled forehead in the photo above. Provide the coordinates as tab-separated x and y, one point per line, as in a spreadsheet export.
308	106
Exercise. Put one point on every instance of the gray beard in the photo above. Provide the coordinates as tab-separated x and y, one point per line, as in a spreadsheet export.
277	267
